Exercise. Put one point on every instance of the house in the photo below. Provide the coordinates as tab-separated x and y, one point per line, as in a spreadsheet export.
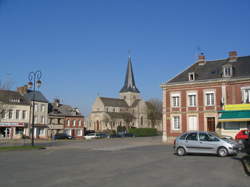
193	99
40	111
14	115
64	118
127	111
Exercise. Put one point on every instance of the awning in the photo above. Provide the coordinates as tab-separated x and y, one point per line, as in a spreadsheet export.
234	115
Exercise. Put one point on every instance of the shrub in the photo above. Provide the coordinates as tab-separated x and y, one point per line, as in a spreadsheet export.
140	132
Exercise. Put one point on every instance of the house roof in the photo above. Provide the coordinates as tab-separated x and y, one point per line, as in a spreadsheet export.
114	102
38	96
13	97
214	69
63	110
129	84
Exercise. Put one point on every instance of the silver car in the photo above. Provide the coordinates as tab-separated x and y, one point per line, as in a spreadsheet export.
205	142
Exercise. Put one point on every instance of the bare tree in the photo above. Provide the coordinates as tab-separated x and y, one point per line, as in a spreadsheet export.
154	110
4	85
128	118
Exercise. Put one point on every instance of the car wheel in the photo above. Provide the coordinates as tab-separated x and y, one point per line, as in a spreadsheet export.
181	151
222	152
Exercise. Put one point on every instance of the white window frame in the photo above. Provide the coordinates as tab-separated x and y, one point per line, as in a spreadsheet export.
68	122
74	123
197	123
80	123
173	127
77	132
35	119
191	76
24	114
174	95
206	98
227	71
192	93
42	108
36	107
245	95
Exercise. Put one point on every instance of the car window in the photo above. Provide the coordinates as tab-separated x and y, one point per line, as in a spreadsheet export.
182	137
213	138
192	136
203	137
245	132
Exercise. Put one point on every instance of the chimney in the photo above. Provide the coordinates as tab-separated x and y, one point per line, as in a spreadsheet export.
22	89
201	59
232	56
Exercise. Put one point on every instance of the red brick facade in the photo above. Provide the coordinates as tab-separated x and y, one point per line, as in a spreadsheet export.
74	126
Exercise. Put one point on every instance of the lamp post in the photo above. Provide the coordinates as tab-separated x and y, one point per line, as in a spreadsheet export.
34	82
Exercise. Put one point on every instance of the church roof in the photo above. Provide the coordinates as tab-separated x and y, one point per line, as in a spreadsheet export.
129	84
114	102
119	115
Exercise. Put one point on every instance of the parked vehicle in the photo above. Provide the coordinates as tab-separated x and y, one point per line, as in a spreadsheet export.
90	136
62	136
205	142
242	136
102	135
88	132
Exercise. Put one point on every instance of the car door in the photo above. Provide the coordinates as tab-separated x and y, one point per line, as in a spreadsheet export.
191	143
208	143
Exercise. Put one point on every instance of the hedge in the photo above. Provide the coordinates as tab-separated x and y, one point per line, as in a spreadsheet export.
140	132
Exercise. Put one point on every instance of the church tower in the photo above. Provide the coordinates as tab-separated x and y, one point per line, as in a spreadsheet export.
129	92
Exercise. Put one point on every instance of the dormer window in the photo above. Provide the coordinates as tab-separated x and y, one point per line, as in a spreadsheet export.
227	71
191	76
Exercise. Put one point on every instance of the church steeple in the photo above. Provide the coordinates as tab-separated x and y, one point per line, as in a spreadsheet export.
129	84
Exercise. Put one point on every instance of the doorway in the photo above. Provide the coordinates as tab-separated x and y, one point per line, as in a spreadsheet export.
211	124
4	132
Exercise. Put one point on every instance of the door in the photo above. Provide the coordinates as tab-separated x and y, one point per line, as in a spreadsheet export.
211	124
208	143
192	123
191	143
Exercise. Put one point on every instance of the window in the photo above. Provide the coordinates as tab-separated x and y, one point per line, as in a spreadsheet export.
175	100
79	123
35	119
192	99
183	137
19	130
43	108
68	132
24	114
192	123
231	126
3	113
191	76
41	132
74	123
10	114
192	136
210	99
207	137
141	120
43	120
227	71
36	107
176	122
245	95
68	122
17	114
79	132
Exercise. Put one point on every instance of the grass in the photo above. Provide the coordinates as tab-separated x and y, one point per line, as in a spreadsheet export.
19	148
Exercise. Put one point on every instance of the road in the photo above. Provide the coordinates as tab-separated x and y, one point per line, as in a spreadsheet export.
118	162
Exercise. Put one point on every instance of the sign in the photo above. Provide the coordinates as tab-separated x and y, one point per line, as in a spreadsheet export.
237	107
11	124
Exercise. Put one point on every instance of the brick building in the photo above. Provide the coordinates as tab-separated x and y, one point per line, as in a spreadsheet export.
64	118
192	99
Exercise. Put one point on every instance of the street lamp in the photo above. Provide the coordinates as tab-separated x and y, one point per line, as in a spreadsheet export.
34	82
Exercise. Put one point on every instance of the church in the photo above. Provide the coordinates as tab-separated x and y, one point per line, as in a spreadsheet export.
128	111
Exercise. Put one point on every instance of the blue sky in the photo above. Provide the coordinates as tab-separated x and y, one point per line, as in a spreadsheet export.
81	46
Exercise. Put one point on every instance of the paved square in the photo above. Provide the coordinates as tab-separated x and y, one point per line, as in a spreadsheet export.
117	162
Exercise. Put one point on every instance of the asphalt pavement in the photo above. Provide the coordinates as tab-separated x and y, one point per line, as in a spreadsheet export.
119	162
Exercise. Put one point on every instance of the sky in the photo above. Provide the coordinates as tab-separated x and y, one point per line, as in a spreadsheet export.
82	46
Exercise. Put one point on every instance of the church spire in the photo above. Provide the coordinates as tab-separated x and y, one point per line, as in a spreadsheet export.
129	84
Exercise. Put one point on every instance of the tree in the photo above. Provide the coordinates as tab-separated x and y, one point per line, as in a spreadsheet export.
4	85
128	118
154	110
